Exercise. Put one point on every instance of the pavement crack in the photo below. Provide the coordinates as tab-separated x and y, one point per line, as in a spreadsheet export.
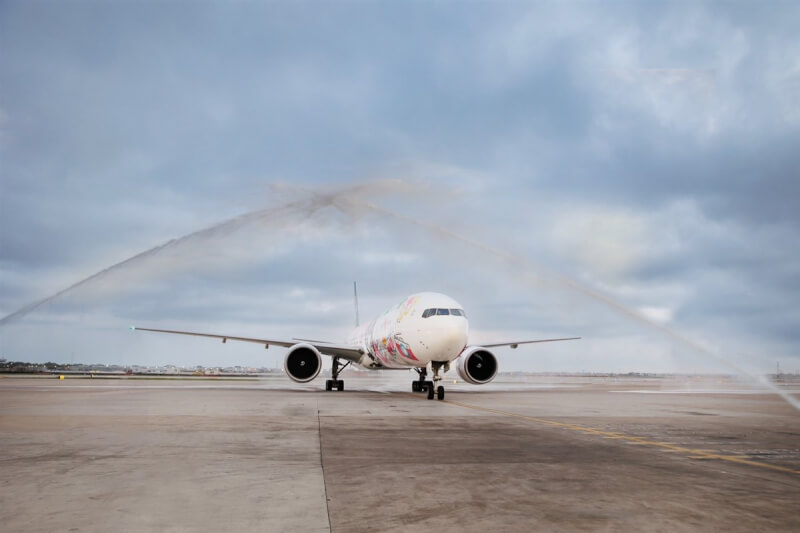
322	466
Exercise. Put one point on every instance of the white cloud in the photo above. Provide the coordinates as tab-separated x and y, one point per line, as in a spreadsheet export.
660	315
382	258
605	241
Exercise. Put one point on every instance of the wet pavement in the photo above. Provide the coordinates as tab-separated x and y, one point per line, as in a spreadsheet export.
543	453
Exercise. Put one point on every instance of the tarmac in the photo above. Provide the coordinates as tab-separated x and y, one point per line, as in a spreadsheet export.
525	454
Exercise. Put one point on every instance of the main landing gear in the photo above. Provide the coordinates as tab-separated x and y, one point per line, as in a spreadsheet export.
335	383
420	385
431	387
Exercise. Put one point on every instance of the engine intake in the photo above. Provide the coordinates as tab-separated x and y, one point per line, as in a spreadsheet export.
477	365
303	363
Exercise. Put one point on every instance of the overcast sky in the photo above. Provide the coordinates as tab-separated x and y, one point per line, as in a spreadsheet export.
602	169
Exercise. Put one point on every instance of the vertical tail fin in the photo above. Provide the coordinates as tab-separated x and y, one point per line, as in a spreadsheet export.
355	298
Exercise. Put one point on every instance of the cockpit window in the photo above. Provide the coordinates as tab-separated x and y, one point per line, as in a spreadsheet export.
440	312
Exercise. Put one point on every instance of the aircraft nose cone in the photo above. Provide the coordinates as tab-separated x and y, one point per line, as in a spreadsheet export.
450	340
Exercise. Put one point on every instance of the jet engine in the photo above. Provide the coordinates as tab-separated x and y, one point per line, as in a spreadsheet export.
303	363
477	365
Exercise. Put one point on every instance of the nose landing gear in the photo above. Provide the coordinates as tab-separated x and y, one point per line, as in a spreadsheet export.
431	387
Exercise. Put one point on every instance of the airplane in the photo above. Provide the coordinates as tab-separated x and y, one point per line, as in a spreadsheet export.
425	330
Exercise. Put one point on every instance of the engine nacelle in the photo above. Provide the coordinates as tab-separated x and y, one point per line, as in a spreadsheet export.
477	365
303	363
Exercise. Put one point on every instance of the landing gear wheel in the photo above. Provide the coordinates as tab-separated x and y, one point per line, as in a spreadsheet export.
420	385
331	384
433	386
336	368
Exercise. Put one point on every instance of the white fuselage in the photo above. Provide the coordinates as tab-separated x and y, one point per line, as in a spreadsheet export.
422	328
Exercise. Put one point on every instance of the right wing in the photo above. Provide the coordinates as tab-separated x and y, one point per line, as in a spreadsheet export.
345	351
517	343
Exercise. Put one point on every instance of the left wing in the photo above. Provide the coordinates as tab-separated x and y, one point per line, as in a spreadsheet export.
517	343
345	351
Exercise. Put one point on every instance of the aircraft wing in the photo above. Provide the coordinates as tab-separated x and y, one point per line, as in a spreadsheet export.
345	351
517	343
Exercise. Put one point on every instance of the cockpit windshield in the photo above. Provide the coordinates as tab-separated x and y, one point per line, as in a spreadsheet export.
441	311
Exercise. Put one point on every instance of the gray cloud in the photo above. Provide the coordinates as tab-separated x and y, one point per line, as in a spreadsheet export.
646	150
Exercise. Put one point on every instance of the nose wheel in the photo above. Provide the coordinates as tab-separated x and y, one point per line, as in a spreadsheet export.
439	392
431	387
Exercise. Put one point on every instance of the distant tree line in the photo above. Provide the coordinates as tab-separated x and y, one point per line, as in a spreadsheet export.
20	367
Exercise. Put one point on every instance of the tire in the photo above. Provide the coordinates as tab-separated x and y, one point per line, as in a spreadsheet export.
414	386
328	384
341	385
430	392
440	392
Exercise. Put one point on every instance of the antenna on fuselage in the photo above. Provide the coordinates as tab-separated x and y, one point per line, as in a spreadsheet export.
355	299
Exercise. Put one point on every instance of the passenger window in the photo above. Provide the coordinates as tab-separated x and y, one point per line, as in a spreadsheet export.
442	311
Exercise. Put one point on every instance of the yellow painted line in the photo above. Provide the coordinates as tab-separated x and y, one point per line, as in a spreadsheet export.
691	453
